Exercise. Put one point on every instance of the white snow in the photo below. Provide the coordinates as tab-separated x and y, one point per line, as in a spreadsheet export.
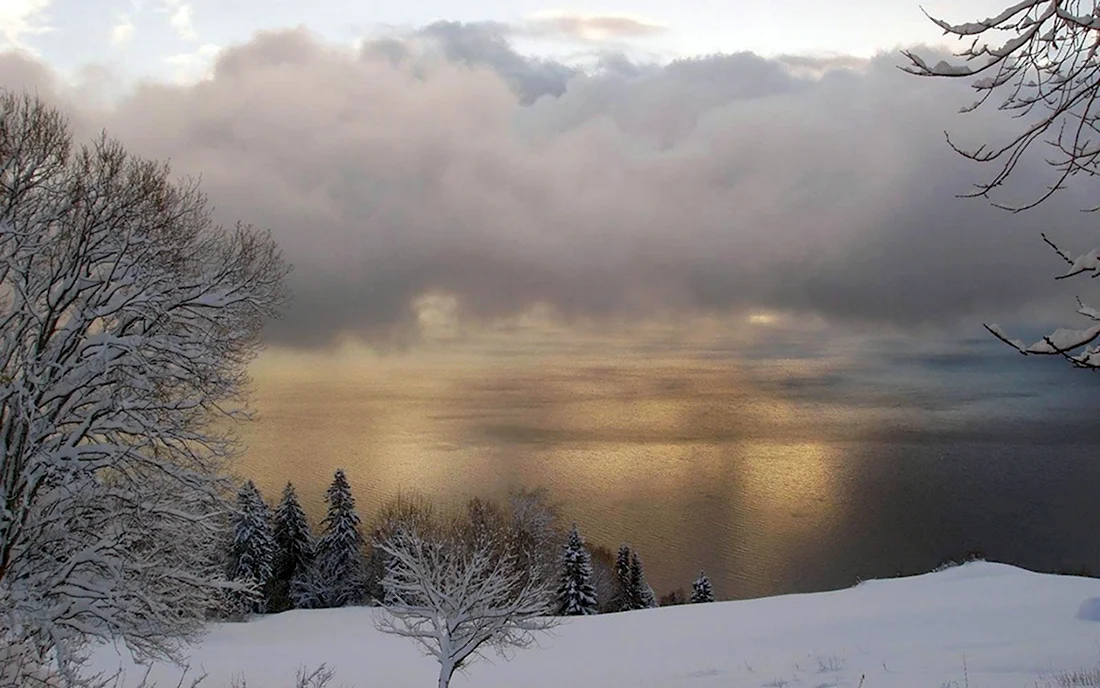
1009	626
1064	339
1086	262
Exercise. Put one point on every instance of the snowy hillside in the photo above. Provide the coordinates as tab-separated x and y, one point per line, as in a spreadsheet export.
1011	627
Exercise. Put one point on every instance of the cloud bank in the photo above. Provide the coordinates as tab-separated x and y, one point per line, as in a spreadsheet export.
448	163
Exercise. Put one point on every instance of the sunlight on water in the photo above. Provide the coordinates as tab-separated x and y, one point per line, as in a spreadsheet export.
667	454
774	475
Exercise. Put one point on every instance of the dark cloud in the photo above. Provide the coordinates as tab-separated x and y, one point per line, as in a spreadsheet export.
724	183
482	44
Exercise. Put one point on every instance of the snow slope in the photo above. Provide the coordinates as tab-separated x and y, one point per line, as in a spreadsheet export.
1011	628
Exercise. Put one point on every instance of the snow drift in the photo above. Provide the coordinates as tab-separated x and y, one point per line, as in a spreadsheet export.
981	623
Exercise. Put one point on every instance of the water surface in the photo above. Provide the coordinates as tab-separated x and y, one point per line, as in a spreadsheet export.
774	470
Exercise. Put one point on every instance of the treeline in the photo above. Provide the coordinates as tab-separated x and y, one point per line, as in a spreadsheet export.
280	564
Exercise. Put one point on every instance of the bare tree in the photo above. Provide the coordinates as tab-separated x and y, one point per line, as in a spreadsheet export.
126	321
537	529
604	579
1038	60
456	590
399	512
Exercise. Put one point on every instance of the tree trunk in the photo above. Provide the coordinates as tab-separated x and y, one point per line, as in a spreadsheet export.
446	670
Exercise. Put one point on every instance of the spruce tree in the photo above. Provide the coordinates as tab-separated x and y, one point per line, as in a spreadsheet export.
294	547
701	590
627	600
339	567
252	556
576	595
641	593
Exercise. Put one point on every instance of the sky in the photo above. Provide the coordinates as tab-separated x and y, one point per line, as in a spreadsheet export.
438	171
167	39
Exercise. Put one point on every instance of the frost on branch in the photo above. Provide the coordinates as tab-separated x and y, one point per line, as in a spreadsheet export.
1038	61
456	588
1044	64
126	322
1075	345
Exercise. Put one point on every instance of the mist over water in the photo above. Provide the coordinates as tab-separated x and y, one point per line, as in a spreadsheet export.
776	470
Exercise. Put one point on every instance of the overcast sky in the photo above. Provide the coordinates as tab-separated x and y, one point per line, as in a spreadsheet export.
170	38
626	163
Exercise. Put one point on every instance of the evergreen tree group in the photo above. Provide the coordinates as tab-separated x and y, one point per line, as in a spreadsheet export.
701	590
280	562
634	590
576	594
281	565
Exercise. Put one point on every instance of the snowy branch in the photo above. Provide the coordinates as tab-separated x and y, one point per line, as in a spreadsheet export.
1047	71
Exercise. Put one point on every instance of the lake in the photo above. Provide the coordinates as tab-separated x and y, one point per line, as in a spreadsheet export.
774	469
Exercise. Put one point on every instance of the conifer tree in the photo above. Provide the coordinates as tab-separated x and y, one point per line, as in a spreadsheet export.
338	576
294	547
576	595
641	593
627	600
252	556
701	590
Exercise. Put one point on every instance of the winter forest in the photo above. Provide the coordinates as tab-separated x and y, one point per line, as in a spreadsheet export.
685	293
285	566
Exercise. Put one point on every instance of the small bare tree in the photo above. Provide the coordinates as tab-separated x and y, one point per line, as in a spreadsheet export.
1039	61
456	590
126	321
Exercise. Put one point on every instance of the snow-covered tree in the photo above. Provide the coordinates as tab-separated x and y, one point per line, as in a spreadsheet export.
252	556
1037	60
338	575
628	598
701	590
127	319
640	590
576	596
635	592
401	512
456	590
294	546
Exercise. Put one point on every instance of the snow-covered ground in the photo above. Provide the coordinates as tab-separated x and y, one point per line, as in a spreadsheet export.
1007	626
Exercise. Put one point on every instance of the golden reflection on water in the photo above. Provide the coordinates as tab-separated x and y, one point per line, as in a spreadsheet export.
686	458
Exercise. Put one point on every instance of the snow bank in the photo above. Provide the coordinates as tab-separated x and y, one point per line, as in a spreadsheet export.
1010	626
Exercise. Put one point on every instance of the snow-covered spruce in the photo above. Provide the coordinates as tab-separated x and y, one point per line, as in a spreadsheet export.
294	547
701	590
627	600
640	590
634	590
252	557
337	577
576	596
127	322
